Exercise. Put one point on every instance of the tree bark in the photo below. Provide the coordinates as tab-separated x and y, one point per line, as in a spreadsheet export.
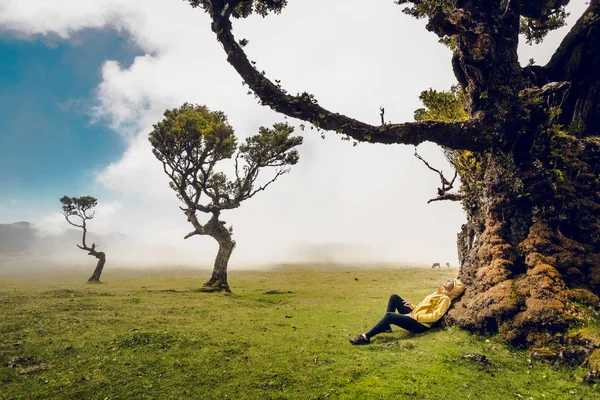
216	229
530	250
219	275
95	278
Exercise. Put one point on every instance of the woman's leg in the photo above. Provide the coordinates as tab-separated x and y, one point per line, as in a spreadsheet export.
397	303
401	320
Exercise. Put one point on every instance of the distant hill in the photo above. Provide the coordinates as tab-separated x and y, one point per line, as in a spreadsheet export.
26	248
17	238
25	238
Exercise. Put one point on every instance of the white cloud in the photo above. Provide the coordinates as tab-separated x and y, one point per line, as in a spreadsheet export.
52	224
47	17
372	197
55	223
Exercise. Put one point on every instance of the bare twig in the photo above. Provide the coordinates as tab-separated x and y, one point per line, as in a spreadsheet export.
446	185
448	196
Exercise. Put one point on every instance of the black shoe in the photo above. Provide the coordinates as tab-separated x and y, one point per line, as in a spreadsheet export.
359	340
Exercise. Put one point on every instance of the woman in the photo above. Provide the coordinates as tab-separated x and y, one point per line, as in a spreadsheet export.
416	319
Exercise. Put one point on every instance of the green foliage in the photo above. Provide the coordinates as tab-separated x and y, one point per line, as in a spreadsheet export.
537	17
81	207
283	335
553	113
192	140
576	127
442	106
450	41
272	147
245	8
193	132
260	7
558	174
541	17
426	8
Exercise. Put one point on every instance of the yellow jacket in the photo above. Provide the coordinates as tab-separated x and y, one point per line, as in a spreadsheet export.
432	308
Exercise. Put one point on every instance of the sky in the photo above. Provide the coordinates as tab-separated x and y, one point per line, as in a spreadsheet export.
82	84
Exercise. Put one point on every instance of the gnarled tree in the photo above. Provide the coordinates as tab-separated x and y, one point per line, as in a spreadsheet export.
77	211
190	141
528	155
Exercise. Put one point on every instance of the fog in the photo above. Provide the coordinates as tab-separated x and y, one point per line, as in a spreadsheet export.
32	250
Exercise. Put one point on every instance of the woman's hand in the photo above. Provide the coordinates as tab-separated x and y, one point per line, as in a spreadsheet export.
407	304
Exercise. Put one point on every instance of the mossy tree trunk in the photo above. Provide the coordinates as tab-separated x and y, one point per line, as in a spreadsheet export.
530	251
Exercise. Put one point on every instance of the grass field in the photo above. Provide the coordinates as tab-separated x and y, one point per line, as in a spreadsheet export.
282	334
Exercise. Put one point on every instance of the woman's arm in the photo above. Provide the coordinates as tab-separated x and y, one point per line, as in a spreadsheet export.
441	308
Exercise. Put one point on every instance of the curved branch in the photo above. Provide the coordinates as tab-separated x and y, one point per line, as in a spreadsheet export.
454	135
190	213
446	185
279	172
589	21
576	61
92	250
71	222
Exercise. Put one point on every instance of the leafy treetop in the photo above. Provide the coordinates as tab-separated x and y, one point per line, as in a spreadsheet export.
80	207
538	17
191	140
244	8
442	106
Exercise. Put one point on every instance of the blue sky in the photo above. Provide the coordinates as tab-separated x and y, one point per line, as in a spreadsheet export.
48	144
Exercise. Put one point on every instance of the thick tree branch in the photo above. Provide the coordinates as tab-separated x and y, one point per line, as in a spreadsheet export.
189	235
586	24
455	135
190	213
576	61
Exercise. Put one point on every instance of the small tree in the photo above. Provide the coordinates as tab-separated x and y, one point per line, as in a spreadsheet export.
190	141
81	209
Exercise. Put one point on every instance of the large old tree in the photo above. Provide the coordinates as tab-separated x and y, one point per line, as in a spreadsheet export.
194	144
78	211
527	153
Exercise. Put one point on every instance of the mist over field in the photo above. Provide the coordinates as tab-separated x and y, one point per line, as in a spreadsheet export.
27	248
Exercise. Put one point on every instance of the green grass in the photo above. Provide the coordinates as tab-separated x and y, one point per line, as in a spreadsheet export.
282	335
